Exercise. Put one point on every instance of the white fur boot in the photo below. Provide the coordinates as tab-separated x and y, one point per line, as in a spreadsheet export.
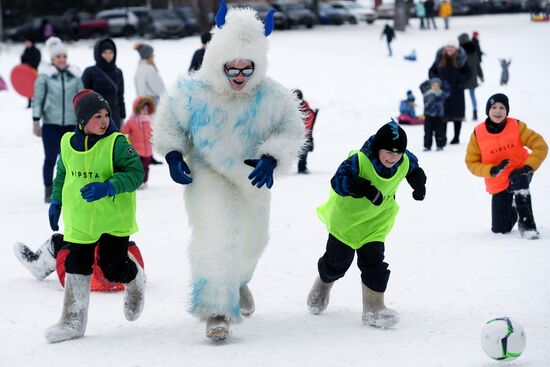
74	316
40	263
246	301
217	327
318	297
375	313
134	293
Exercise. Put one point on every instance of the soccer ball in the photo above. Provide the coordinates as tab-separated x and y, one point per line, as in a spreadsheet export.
503	339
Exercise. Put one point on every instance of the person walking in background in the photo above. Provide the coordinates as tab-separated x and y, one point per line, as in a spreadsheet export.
390	36
359	214
147	78
31	56
139	131
451	66
445	12
56	85
429	6
497	152
107	79
475	40
420	13
309	121
505	71
196	61
92	216
475	67
434	96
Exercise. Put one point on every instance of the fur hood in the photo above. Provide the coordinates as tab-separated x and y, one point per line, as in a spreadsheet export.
241	37
50	70
142	101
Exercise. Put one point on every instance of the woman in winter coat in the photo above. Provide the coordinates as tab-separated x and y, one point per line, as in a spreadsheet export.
54	89
147	79
451	65
106	78
474	64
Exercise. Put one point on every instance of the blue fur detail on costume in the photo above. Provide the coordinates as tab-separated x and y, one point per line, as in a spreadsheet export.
198	286
199	306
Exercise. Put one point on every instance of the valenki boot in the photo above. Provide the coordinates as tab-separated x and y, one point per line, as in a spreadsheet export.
42	262
134	293
217	327
246	301
375	313
74	315
318	297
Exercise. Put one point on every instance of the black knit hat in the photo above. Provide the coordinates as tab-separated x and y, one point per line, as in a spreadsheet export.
107	44
390	137
86	103
499	97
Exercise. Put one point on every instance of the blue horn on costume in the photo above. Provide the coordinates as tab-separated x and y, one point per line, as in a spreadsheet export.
220	15
269	22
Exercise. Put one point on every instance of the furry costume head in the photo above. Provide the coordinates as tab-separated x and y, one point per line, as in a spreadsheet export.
238	35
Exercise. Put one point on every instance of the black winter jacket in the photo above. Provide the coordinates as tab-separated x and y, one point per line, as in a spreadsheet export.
107	80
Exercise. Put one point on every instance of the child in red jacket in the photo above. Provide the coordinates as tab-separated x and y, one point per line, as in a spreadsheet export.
139	131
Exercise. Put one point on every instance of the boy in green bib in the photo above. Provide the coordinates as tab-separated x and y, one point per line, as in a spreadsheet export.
360	213
94	188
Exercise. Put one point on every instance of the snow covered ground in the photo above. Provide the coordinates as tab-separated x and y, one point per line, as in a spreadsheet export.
450	274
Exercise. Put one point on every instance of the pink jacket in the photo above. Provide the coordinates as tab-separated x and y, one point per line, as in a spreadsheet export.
139	131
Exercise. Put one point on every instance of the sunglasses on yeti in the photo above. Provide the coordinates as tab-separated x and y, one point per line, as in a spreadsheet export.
234	72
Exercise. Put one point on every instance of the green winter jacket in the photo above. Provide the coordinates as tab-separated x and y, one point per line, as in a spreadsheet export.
127	166
53	95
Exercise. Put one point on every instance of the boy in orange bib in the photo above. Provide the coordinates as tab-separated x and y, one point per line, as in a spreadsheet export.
497	152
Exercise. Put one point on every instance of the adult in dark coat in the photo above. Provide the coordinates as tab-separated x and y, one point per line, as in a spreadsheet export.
106	79
451	65
475	66
429	5
31	56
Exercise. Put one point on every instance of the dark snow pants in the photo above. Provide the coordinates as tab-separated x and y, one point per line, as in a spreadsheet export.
511	207
113	258
370	260
51	140
435	126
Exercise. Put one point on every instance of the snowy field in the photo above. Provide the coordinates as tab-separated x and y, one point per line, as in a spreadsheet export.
450	274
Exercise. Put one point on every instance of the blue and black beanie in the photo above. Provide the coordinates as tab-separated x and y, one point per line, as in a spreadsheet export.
390	137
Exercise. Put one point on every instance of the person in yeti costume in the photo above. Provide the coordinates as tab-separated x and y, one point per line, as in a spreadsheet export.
224	119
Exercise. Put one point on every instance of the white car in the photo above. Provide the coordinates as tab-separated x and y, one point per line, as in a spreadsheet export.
359	11
122	22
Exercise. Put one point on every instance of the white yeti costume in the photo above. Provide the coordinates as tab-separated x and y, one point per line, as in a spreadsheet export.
216	129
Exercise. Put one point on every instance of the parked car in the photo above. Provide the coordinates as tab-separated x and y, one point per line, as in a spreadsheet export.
190	19
34	27
165	24
387	11
360	12
337	16
89	26
122	22
262	8
297	14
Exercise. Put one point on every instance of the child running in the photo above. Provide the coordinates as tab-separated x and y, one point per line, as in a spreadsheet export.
359	214
96	164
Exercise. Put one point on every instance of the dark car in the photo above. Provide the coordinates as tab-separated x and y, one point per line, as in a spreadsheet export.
189	17
34	29
87	25
262	8
165	24
331	15
297	14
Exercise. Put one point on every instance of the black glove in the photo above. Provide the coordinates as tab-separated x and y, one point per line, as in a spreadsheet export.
362	188
497	170
521	178
417	180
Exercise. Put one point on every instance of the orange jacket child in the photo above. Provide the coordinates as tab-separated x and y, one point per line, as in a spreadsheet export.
497	152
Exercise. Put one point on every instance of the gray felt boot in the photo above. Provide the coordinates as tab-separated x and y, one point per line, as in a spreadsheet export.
375	313
318	297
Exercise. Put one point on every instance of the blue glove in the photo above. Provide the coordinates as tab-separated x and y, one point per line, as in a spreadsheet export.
97	190
263	171
54	213
179	170
520	178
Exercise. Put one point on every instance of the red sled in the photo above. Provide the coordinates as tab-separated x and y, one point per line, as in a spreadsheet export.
99	283
22	78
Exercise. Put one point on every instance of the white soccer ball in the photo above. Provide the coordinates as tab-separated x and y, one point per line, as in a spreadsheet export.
503	339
